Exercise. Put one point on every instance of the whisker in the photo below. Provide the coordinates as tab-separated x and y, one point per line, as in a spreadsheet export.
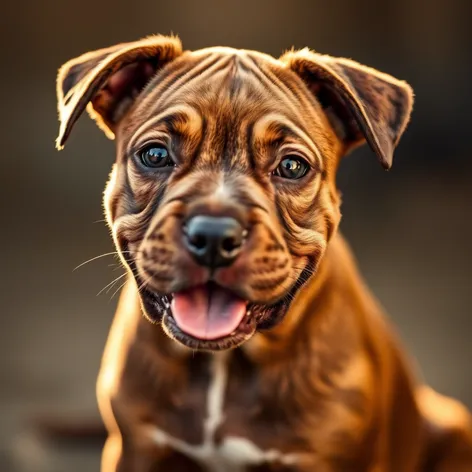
114	253
118	289
118	278
110	285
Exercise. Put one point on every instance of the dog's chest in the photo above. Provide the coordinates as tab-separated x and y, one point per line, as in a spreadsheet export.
238	433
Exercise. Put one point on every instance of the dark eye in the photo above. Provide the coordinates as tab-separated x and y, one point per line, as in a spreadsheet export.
155	156
292	167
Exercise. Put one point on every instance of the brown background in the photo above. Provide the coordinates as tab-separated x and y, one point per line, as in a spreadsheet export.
411	228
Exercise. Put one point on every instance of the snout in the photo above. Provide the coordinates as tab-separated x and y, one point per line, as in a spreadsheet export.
214	241
212	272
240	251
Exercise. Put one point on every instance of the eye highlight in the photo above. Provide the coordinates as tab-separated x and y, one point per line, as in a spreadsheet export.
292	167
155	156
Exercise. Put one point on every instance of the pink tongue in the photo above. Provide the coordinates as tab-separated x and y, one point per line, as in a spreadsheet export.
207	312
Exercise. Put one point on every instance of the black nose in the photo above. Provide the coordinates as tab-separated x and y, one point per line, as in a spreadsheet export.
214	241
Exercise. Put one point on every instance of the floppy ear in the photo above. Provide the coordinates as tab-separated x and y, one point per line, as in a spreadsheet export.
108	80
361	103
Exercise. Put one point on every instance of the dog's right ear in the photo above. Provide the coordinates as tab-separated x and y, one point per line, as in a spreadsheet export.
108	80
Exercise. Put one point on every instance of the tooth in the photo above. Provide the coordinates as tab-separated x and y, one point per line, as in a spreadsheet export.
165	301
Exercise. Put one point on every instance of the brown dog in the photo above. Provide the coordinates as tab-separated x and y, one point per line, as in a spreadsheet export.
224	209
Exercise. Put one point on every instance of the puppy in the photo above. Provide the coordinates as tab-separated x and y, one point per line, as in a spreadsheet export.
260	348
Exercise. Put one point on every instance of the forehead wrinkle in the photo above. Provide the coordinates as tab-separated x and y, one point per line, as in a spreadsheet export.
227	141
233	77
232	82
166	76
214	143
171	78
246	56
274	86
201	75
263	124
228	89
298	89
183	116
291	88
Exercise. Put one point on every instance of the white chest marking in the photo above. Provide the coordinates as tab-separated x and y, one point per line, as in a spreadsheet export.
233	454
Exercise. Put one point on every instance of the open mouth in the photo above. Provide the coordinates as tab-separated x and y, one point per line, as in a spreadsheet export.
208	317
208	312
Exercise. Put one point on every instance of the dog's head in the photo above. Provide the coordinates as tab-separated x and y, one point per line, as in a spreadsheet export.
223	198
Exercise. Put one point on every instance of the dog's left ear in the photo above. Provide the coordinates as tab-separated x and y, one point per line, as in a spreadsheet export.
108	80
361	103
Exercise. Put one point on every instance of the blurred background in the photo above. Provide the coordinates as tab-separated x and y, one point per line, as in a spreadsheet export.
410	228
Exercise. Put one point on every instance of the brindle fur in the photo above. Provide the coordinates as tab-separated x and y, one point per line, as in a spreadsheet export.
327	388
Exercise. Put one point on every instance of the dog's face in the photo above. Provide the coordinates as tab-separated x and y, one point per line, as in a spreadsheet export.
222	198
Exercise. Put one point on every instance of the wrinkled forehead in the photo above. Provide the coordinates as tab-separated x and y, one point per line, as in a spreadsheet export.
217	78
221	87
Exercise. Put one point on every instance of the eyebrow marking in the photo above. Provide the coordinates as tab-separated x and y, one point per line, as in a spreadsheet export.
180	119
283	125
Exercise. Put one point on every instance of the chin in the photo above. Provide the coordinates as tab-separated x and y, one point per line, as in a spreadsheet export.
210	317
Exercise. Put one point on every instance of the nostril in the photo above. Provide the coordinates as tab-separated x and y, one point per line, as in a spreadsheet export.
231	243
198	241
